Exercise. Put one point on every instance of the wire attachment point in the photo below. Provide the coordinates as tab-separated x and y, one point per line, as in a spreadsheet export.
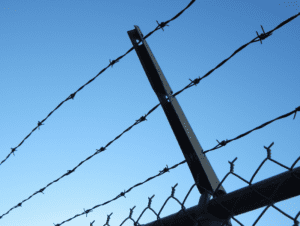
69	172
113	62
39	124
13	150
72	96
166	169
264	35
223	143
297	109
195	81
87	211
143	118
100	150
123	193
161	25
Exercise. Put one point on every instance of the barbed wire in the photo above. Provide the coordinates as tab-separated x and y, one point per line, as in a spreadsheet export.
183	208
260	38
161	172
166	169
143	118
224	142
71	96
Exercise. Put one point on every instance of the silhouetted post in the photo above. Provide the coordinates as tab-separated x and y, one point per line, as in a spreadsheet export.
224	206
199	165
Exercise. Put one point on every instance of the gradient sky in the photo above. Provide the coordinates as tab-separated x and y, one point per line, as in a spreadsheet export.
48	49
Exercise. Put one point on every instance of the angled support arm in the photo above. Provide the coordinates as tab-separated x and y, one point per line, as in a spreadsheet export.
199	165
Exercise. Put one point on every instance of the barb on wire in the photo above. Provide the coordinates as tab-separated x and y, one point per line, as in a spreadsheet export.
113	62
39	124
87	211
123	194
143	118
223	143
71	96
118	196
196	81
230	207
263	35
161	25
166	169
218	146
13	150
110	64
297	109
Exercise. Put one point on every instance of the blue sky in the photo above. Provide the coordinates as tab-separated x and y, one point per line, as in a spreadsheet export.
51	48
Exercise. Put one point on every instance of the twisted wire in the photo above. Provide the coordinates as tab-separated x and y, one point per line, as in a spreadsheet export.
71	96
143	118
193	82
214	199
224	142
161	172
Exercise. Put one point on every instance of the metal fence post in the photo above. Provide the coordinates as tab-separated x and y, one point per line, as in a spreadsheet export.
201	170
223	206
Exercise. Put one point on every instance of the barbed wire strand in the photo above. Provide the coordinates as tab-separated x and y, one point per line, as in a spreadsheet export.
166	169
194	82
183	208
231	163
71	96
143	118
224	142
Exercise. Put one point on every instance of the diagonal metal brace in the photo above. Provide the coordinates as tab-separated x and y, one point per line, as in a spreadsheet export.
199	165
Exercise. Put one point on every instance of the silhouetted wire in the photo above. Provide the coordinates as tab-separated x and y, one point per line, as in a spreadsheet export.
160	26
143	118
166	169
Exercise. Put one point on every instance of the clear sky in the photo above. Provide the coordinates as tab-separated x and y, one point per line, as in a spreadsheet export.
48	49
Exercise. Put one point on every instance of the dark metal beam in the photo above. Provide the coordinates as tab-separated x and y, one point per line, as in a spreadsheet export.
199	165
277	188
274	189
